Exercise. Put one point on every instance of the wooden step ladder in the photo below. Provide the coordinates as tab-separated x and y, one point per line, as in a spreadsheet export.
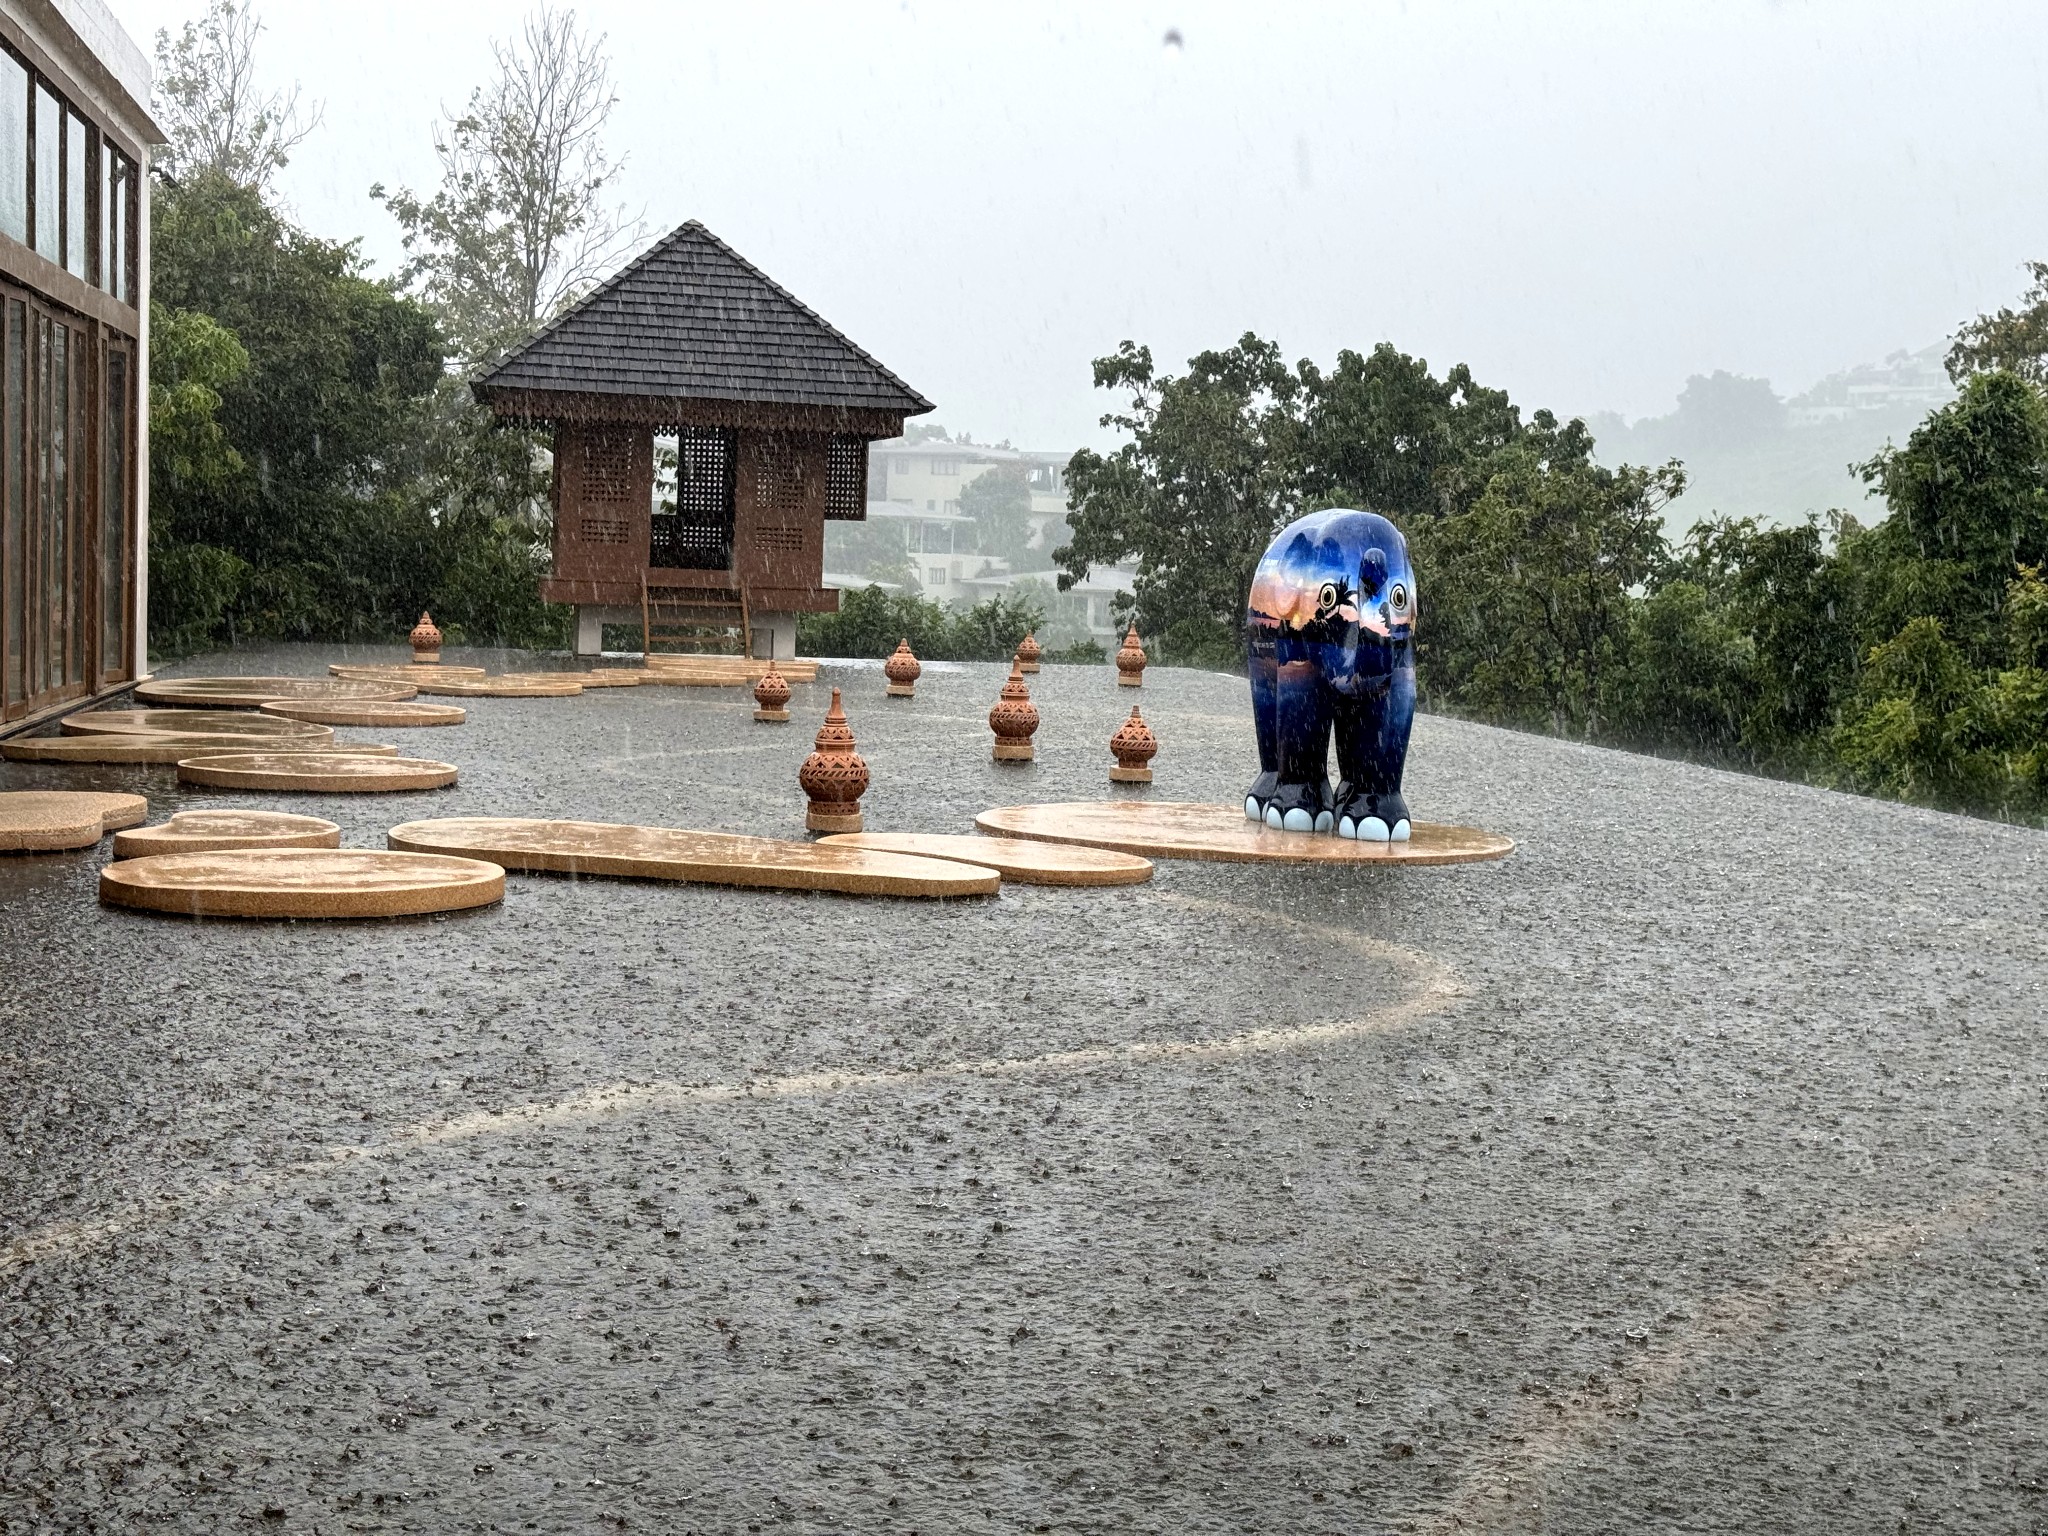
694	621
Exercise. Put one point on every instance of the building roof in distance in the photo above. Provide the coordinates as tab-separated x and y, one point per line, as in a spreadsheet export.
692	319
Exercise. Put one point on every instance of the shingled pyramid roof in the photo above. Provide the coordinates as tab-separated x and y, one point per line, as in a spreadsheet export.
691	318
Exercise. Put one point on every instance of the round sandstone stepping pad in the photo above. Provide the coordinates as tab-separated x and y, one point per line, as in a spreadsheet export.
401	672
167	749
254	692
220	831
508	686
382	714
41	820
301	882
1169	830
237	725
704	858
316	772
1026	863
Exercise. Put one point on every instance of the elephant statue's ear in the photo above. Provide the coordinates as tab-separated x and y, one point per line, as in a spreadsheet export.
1372	573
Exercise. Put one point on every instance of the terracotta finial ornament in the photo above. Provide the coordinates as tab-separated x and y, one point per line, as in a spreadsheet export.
902	670
771	695
426	641
1130	660
1028	653
834	776
1014	719
1134	746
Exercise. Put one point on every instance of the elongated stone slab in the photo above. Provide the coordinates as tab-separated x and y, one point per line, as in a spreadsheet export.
705	858
610	677
143	748
254	692
380	713
1027	863
223	831
46	820
239	725
301	883
529	686
1170	830
401	672
316	772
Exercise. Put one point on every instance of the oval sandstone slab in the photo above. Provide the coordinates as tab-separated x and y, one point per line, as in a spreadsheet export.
317	772
301	883
219	831
1027	863
254	692
1173	830
237	723
140	747
380	713
45	820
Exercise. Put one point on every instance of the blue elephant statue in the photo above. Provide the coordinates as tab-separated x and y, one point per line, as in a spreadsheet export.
1331	630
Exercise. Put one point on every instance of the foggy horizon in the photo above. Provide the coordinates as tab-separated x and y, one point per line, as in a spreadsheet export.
1587	206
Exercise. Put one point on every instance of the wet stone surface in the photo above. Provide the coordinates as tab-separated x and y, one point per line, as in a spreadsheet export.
1684	1171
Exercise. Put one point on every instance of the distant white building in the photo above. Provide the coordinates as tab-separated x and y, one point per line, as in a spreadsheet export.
937	544
1915	382
930	476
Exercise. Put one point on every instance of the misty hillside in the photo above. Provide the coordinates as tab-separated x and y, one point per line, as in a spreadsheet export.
1748	453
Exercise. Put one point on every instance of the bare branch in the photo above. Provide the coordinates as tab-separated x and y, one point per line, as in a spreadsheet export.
208	100
520	226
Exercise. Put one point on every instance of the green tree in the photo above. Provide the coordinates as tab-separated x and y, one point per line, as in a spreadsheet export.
870	621
1526	598
2008	340
1212	470
1728	410
192	359
1968	502
520	226
1784	591
1382	432
999	501
1909	737
1687	675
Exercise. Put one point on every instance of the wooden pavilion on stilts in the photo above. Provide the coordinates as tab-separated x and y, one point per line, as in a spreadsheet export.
706	426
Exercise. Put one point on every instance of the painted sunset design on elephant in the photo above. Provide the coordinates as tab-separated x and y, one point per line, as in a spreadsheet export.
1330	627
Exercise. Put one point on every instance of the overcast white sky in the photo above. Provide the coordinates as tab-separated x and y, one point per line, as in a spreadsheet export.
1586	202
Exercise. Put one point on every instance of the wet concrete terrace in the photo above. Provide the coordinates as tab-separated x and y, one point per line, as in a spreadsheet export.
1682	1172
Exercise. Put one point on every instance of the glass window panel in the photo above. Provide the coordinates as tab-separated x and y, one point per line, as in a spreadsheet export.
49	592
13	147
46	213
14	469
59	529
103	208
114	661
74	194
126	246
79	629
117	227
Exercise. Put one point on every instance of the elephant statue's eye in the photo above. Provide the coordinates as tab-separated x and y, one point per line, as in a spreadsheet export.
1397	599
1326	600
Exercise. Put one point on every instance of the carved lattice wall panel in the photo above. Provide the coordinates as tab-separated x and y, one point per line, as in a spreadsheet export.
846	479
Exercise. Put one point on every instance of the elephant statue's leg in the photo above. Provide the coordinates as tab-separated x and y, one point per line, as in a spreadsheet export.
1301	799
1261	644
1372	749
